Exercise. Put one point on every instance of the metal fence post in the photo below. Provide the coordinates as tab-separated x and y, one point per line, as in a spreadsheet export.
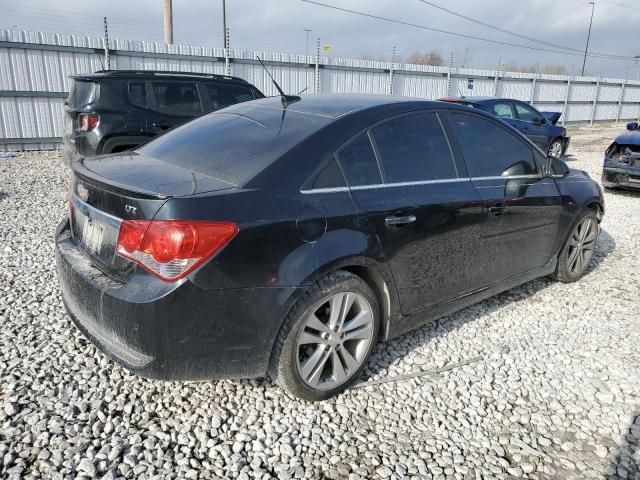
227	61
622	87
566	100
449	75
533	84
496	78
317	69
595	99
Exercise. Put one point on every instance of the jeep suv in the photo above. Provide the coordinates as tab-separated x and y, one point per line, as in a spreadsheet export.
117	110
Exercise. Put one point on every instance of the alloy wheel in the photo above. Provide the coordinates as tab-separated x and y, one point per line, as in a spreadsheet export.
556	149
335	340
581	246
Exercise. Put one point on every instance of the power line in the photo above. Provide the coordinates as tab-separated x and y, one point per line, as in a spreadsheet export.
471	37
622	5
499	29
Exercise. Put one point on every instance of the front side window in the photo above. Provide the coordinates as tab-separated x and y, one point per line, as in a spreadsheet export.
222	95
176	98
359	162
526	113
502	110
489	150
414	148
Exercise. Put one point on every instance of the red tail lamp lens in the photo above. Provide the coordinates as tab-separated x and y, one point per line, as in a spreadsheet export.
171	249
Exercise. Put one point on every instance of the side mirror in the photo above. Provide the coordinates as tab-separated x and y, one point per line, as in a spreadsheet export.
632	126
556	168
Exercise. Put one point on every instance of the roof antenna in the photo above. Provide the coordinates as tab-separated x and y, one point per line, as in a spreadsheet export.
286	99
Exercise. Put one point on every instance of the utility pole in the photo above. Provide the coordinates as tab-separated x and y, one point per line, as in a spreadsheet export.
107	58
306	49
584	63
168	22
224	23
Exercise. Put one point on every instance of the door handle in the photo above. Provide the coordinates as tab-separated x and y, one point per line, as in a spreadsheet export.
162	125
399	221
498	209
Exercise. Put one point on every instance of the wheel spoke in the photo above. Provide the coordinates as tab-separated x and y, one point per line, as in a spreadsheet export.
314	322
307	338
360	320
349	362
584	229
339	373
311	368
573	257
347	303
579	262
335	308
591	237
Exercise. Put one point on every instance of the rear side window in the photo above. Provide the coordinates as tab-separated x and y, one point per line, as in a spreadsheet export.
138	94
490	150
176	98
82	93
329	177
502	110
359	162
222	95
414	148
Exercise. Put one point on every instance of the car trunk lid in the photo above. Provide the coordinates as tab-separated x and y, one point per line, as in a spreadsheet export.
106	190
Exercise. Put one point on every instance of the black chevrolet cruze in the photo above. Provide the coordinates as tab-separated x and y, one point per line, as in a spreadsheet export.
287	238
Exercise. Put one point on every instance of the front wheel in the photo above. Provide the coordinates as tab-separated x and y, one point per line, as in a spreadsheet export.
556	148
327	338
578	249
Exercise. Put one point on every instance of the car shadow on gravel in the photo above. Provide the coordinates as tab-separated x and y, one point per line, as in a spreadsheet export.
623	192
626	462
386	354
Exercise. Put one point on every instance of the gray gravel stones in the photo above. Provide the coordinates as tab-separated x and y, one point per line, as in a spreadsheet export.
556	394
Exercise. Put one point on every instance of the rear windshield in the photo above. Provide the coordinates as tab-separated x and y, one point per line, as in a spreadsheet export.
236	143
82	93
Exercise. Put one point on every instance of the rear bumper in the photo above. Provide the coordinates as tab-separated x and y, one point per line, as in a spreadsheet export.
624	177
170	331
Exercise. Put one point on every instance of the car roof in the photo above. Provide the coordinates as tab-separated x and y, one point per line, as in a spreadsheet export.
102	74
478	99
337	105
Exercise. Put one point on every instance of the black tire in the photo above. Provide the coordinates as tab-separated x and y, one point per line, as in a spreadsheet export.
563	271
283	367
556	144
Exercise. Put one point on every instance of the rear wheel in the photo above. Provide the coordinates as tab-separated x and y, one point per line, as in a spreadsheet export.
327	338
578	249
556	147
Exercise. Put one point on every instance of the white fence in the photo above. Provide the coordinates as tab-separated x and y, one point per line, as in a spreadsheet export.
34	71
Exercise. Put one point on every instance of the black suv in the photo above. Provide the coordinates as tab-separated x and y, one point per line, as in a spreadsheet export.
117	110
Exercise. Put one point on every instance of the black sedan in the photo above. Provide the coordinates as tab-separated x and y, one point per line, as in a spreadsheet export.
286	239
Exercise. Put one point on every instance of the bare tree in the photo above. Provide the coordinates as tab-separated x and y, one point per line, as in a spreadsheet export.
432	57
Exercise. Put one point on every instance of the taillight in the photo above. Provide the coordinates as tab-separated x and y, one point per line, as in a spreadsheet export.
88	121
171	249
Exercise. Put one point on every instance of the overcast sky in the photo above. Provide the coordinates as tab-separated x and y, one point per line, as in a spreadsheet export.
278	25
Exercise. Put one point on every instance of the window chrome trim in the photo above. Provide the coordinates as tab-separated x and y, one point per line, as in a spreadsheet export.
385	185
510	177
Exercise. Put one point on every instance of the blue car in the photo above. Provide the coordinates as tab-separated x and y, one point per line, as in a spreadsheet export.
622	160
540	127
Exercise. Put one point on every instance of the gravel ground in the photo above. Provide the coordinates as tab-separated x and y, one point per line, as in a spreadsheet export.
550	389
